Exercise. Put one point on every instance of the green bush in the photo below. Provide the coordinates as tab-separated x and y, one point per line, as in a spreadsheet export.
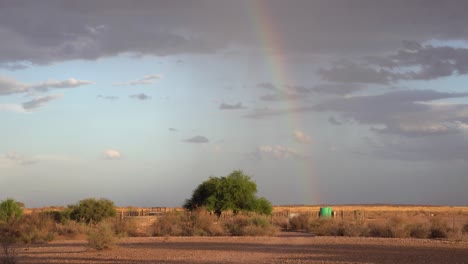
10	210
92	211
101	236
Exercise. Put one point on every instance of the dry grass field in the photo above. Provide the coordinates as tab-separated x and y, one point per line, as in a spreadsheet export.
318	244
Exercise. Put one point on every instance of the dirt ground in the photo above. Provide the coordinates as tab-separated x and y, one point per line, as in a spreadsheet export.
284	248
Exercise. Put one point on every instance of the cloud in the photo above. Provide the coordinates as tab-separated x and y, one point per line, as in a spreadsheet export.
412	62
147	79
108	97
346	72
12	108
111	154
333	121
197	139
269	112
301	137
283	92
93	30
11	86
39	102
407	112
277	152
224	106
48	85
140	96
173	129
337	88
15	158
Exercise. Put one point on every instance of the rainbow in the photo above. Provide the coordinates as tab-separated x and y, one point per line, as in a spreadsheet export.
274	55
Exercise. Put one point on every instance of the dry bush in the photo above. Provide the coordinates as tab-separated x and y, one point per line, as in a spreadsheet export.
125	227
465	228
8	253
300	222
438	228
35	228
280	221
171	224
101	236
70	229
205	224
8	237
243	225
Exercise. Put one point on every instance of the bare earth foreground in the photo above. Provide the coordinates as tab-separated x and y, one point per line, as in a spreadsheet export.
285	248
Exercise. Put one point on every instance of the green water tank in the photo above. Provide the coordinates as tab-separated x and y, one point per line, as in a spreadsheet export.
325	212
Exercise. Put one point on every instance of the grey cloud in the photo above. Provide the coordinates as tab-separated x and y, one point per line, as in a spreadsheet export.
197	139
284	92
268	112
237	106
409	112
140	96
356	73
337	88
39	102
333	121
412	62
173	129
448	147
147	79
14	66
57	31
108	97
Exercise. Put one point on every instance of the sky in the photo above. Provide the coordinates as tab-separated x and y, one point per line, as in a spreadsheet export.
320	102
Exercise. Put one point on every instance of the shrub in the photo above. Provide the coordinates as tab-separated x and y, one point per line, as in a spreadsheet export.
92	211
8	253
170	224
465	228
418	230
10	210
242	225
36	228
438	228
205	224
124	227
101	236
70	229
300	222
58	216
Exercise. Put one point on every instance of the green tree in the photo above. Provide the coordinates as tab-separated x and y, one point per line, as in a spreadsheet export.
10	210
92	211
235	192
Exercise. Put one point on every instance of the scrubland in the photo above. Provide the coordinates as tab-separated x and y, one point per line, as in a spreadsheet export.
292	234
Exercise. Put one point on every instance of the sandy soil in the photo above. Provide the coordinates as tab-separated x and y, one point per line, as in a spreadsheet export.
285	248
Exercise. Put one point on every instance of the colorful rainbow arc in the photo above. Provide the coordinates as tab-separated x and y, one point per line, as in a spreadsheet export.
274	54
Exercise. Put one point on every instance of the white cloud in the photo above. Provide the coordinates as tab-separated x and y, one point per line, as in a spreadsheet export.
12	108
111	154
69	83
278	152
301	137
147	79
10	85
